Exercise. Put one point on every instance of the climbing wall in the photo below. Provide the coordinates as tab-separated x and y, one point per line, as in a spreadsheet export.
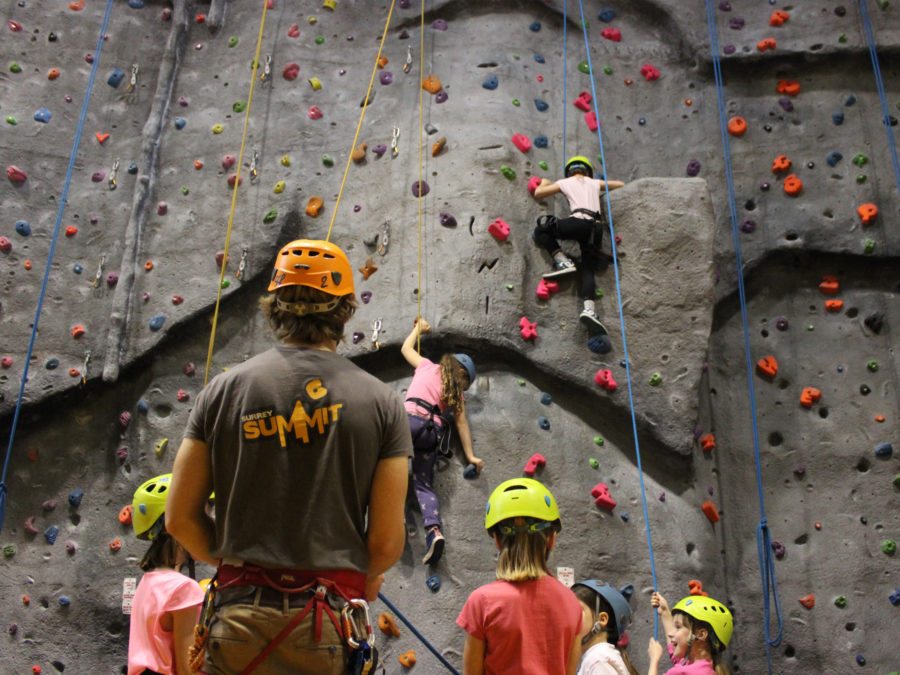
130	294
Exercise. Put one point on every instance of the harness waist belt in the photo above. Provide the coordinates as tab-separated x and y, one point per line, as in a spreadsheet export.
351	582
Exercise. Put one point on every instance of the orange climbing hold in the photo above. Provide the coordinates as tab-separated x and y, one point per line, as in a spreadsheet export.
53	73
438	146
708	442
126	514
809	396
867	213
767	367
710	511
407	659
313	206
74	372
829	285
781	164
793	186
778	18
115	545
808	601
387	625
27	265
880	419
382	61
695	587
148	266
766	44
737	125
359	153
369	268
834	305
198	164
432	84
788	87
102	137
77	331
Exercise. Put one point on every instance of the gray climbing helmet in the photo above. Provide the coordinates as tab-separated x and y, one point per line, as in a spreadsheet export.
614	598
466	361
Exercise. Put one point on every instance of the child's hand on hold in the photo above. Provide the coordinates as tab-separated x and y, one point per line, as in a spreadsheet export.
477	462
654	652
424	326
658	601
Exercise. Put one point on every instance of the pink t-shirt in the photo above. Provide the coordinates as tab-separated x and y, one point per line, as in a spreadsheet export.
582	193
426	385
528	627
699	667
160	591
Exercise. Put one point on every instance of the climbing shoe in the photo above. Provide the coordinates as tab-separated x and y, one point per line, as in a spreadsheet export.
589	319
434	546
561	267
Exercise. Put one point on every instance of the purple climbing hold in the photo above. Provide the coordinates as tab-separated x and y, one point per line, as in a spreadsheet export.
728	50
420	188
725	6
405	4
122	454
441	96
358	337
51	533
183	101
662	496
124	419
693	168
781	323
48	505
12	629
786	104
736	23
778	549
439	24
447	220
380	149
357	208
748	226
98	176
112	279
385	77
365	296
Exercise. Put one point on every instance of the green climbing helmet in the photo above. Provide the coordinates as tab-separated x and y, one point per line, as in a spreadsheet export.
710	611
579	162
521	497
149	507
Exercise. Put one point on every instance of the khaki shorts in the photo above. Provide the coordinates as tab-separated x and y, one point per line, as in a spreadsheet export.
240	631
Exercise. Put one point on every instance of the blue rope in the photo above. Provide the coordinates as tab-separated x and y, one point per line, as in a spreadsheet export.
763	541
879	84
415	632
62	201
565	76
612	238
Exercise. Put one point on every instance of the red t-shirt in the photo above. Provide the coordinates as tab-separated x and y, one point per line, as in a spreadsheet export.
528	627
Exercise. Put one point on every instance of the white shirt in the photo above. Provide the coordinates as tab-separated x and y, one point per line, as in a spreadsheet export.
582	193
602	659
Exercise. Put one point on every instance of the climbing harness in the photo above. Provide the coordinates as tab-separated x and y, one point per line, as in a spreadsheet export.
113	181
431	432
62	202
763	539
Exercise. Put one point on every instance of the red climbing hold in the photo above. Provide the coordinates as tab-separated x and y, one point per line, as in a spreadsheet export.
767	367
602	498
177	299
527	329
809	396
14	26
533	183
314	113
613	34
291	71
115	545
102	137
829	285
604	378
546	288
233	178
182	396
522	142
808	601
778	18
583	101
788	87
535	462
499	229
16	175
710	511
124	420
294	31
590	118
228	161
766	44
5	245
834	305
6	362
708	442
649	72
71	231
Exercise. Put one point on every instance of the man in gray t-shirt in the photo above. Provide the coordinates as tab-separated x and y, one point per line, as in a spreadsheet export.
307	455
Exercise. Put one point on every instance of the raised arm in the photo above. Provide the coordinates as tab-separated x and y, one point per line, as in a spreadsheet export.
665	614
186	518
546	189
408	349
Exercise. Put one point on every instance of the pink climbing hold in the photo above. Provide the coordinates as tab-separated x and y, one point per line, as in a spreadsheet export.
16	175
604	378
162	209
6	362
5	245
527	329
613	34
522	142
228	161
294	31
314	113
499	229
291	71
535	462
533	183
545	289
583	102
649	72
182	395
602	498
590	119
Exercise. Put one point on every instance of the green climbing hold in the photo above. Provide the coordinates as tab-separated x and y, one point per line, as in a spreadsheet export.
595	463
15	68
869	246
270	216
840	602
516	102
598	293
607	70
543	164
860	160
320	39
810	327
861	178
185	190
656	379
225	283
233	41
509	287
598	440
239	106
897	481
508	171
889	547
327	160
872	366
842	38
9	550
11	120
584	67
882	4
521	383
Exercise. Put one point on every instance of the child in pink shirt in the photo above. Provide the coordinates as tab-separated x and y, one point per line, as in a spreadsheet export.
526	622
698	629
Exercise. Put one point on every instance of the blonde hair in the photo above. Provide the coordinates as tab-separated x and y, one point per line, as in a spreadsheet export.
312	328
454	380
523	555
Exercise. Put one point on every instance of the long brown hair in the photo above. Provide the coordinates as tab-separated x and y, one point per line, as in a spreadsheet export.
164	552
310	329
715	647
454	381
592	599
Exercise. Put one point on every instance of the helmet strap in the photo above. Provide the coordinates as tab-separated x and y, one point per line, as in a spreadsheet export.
304	308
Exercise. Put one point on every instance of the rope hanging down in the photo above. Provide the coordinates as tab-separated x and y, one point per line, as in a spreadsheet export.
422	639
420	203
234	194
63	202
763	539
615	260
362	116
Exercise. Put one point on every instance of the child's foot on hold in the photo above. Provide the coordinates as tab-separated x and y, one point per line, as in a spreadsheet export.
562	265
434	546
589	319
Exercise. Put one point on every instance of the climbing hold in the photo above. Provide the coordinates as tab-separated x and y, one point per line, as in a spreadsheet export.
470	472
583	101
766	44
837	118
808	601
649	72
737	126
613	34
606	15
15	175
314	206
708	443
778	18
434	583
315	83
604	378
834	305
5	245
656	379
126	514
365	296
9	550
522	142
793	185
590	119
599	344
359	153
527	329
77	331
279	187
695	588
541	141
867	213
781	164
546	288
291	71
788	87
809	396
23	228
432	84
543	164
602	497
388	625
499	229
535	462
893	597
508	172
490	82
779	550
115	545
767	367
710	511
51	533
157	322
889	547
163	443
594	463
833	158
420	188
407	659
369	268
535	26
541	105
70	231
441	96
270	216
75	497
52	363
115	78
693	168
884	450
447	220
829	285
533	183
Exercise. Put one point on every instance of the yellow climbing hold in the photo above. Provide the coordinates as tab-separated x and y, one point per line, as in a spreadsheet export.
311	20
315	83
161	446
279	187
329	4
218	128
285	160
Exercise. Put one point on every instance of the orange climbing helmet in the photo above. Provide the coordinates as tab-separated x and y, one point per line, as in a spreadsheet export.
313	263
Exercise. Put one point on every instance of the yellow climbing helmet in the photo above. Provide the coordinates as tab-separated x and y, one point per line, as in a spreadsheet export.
520	497
710	611
149	505
581	163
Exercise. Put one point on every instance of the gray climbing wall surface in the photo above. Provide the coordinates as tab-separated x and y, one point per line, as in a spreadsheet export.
136	270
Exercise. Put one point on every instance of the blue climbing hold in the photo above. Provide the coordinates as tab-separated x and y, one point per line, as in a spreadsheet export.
850	100
837	118
544	423
535	27
51	533
75	497
884	450
136	4
541	141
434	583
42	115
23	228
627	590
180	123
606	15
115	78
52	364
625	516
64	601
541	105
470	472
490	82
599	344
833	158
132	168
77	268
143	406
895	597
157	322
546	398
539	58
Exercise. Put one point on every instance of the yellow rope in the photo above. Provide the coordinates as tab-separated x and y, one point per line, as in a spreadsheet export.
362	116
421	199
237	182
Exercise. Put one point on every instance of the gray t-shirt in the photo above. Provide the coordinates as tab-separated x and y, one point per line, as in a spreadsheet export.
294	435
